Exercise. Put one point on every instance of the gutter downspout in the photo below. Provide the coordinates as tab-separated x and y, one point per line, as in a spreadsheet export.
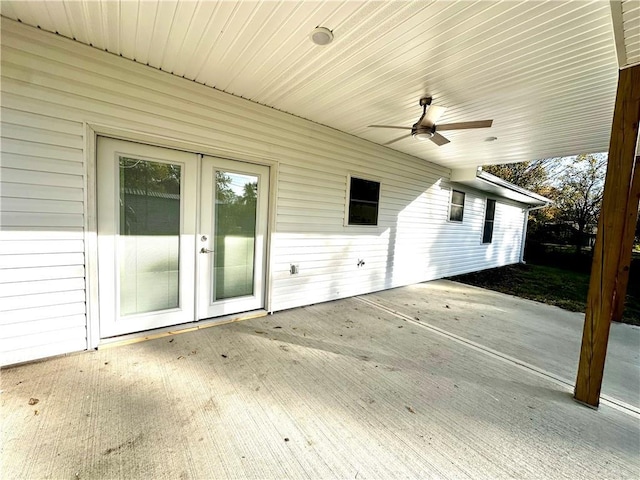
524	228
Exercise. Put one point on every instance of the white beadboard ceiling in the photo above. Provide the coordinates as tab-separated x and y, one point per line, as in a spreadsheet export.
545	72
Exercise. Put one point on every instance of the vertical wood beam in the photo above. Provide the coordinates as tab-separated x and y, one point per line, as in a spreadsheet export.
628	238
606	286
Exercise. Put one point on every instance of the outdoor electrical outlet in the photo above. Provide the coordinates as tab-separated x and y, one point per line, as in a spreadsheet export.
295	269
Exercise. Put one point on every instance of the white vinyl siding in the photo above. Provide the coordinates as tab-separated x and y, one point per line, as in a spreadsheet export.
52	86
42	288
413	242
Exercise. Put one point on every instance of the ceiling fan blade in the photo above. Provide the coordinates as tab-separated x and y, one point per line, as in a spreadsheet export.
434	112
389	126
397	139
466	125
439	139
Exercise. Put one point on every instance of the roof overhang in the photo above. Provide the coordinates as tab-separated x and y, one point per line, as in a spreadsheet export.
544	72
485	182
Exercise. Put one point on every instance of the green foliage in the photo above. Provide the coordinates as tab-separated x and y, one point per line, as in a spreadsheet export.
224	194
235	213
149	176
250	193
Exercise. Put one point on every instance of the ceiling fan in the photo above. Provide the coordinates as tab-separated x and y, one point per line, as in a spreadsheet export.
426	127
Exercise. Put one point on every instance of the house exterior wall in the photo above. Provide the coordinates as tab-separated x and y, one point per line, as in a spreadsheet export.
53	89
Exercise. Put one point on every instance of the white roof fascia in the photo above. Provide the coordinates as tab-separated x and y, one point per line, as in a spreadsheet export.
484	181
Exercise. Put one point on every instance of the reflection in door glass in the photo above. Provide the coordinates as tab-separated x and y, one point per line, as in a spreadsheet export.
149	238
234	230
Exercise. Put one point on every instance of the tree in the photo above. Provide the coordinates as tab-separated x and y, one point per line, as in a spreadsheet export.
574	184
149	176
533	175
249	193
579	196
224	194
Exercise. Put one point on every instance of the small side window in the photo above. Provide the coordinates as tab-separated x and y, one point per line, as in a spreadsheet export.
489	217
364	198
456	207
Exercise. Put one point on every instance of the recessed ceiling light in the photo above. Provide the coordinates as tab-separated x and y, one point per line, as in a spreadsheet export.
321	36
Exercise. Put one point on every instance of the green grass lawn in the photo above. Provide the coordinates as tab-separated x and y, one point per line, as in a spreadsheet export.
563	288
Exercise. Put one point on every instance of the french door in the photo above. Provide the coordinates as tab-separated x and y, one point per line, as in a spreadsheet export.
231	241
160	263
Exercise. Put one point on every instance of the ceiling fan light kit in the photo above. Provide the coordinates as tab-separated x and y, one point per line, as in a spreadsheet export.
426	127
423	133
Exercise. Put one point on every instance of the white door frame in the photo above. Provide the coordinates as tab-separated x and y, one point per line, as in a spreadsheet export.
162	138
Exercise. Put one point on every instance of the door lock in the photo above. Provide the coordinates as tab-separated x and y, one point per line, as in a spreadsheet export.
205	250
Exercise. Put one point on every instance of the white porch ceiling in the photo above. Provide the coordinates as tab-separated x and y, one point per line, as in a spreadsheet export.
545	72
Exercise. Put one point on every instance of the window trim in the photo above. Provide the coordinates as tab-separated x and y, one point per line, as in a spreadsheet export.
492	220
367	178
451	204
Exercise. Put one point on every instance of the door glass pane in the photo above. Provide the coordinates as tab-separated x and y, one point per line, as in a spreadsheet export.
149	239
234	233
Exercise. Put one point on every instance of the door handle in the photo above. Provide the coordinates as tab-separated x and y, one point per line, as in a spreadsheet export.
205	250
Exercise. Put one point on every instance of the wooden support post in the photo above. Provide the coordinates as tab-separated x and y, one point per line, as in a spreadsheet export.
607	287
628	237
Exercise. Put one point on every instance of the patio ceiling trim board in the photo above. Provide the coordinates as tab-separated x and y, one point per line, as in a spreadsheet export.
618	31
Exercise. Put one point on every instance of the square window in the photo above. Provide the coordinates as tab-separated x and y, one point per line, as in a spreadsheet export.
364	198
456	206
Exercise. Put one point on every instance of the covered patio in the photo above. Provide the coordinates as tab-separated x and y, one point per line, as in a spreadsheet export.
432	380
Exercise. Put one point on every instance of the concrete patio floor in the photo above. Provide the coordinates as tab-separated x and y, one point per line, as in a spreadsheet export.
357	388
